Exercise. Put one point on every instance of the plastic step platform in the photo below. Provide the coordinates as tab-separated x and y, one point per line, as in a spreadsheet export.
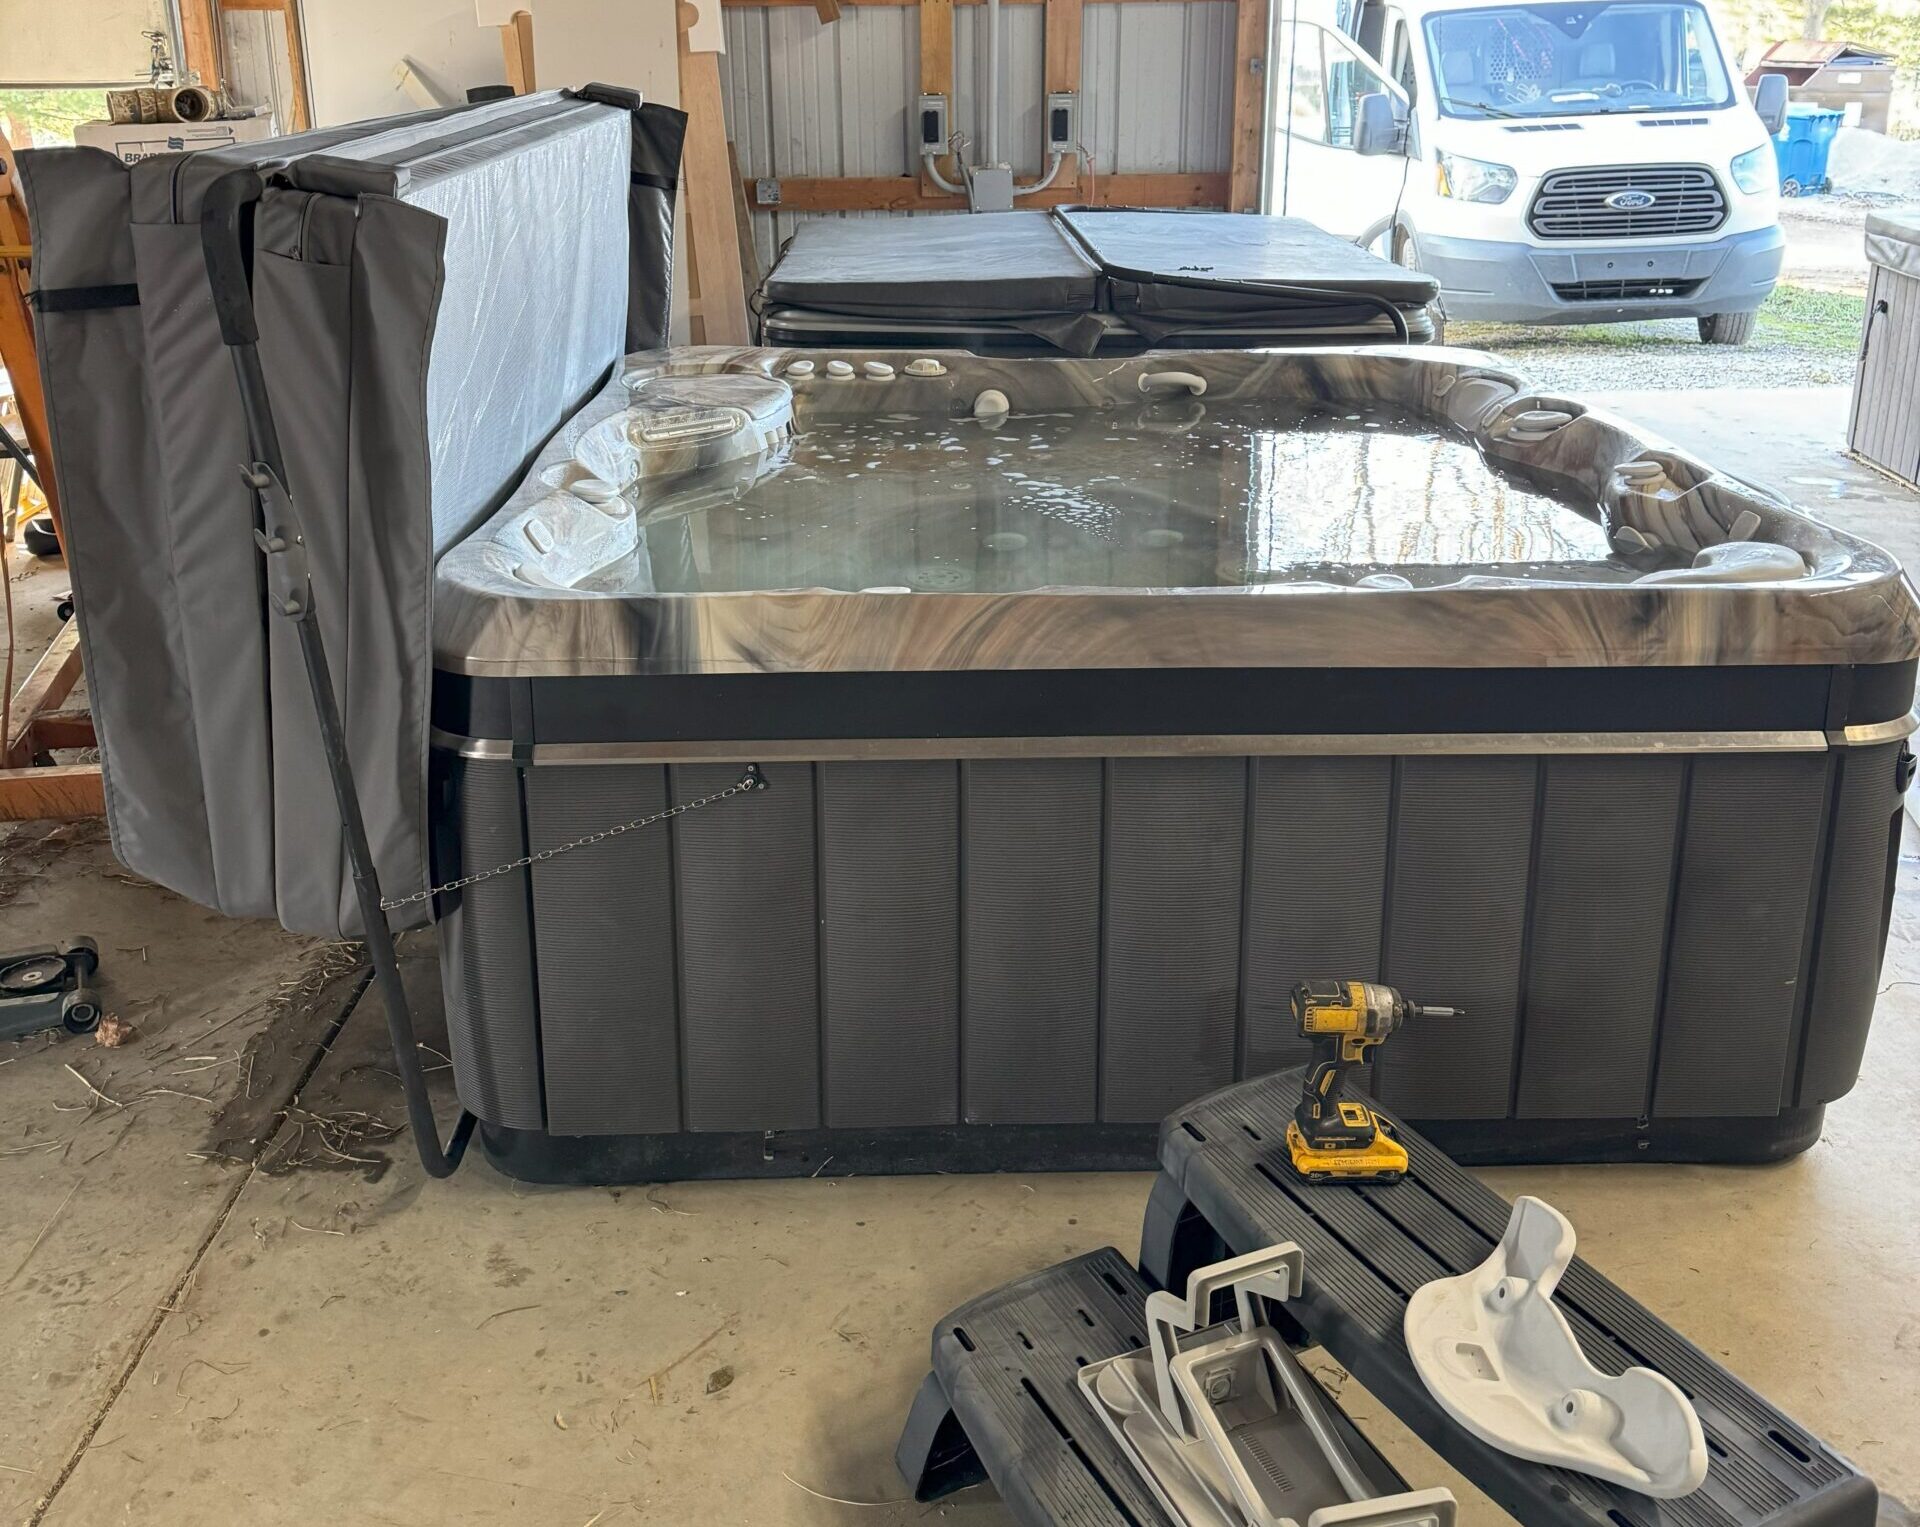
1003	1401
1226	1180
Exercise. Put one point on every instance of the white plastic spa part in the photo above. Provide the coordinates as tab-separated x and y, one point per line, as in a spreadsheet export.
1225	1427
877	371
594	490
991	404
926	365
1173	381
800	368
1532	424
1495	1351
839	370
1736	562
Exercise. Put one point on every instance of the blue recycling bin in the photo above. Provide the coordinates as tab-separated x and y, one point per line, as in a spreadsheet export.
1801	148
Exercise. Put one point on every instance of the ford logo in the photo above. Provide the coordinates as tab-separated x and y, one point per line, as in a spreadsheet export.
1630	201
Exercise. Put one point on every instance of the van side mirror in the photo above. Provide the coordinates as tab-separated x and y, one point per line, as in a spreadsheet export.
1378	125
1770	100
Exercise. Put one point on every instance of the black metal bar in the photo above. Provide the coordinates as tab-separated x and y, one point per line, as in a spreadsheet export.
223	234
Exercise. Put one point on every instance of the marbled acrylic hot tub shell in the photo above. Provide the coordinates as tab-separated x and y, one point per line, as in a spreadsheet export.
1774	586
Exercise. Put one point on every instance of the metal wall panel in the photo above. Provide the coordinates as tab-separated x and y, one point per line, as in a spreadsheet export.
1022	83
1156	86
804	98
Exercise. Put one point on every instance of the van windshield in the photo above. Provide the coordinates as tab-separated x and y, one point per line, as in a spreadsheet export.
1574	59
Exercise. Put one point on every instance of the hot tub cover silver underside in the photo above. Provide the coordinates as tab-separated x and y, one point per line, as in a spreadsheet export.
1853	606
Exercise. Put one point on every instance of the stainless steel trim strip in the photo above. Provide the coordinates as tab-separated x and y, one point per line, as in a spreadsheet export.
1877	731
1345	744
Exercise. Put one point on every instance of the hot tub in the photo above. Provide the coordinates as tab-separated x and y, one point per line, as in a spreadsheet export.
1100	701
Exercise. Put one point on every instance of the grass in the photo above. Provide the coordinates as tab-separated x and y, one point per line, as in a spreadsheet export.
1801	318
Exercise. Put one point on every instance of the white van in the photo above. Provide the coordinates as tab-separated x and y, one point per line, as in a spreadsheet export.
1565	161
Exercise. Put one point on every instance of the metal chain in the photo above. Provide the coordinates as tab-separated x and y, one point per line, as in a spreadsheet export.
746	784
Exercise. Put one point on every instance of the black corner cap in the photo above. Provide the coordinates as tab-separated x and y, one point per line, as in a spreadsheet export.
607	95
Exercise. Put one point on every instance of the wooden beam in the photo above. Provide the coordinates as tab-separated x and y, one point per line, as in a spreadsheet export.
936	78
1248	140
64	729
51	681
902	4
1062	68
516	48
52	793
19	354
902	193
707	177
297	66
827	10
200	40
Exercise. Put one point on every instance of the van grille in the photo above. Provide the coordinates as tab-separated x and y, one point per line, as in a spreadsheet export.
1573	204
1622	291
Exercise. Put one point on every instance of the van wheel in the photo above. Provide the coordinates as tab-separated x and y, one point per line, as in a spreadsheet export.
1726	328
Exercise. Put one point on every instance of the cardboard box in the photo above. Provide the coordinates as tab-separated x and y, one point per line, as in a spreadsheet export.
130	142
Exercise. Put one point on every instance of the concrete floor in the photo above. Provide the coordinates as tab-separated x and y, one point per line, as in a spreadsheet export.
231	1296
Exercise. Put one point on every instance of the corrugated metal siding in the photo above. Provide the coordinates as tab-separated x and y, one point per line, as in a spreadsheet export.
803	98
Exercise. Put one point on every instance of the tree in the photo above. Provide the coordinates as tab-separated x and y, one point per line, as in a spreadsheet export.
1814	22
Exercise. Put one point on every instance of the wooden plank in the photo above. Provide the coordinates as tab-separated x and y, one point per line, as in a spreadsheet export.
815	4
63	729
18	352
297	67
200	41
936	78
743	230
53	793
51	681
902	193
1249	133
1062	68
707	176
516	48
827	10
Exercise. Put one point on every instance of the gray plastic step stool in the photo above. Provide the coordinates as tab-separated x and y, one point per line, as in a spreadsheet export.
1003	1401
1226	1187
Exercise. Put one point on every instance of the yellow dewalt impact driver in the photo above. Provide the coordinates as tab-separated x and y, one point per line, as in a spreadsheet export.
1332	1138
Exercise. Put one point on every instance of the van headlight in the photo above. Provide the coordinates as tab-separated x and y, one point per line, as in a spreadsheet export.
1754	170
1467	179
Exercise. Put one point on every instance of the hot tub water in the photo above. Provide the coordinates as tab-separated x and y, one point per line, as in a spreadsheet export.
1177	494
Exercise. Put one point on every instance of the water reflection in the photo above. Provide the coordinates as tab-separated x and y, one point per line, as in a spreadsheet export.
1173	495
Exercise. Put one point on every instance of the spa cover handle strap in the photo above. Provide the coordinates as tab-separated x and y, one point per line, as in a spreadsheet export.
225	223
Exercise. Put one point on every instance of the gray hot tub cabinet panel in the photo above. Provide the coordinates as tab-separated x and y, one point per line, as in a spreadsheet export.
1012	941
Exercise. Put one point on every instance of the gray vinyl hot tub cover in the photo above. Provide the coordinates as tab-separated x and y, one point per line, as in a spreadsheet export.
1893	242
435	294
1163	272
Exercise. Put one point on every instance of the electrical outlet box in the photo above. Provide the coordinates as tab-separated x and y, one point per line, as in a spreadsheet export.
1063	122
990	188
933	123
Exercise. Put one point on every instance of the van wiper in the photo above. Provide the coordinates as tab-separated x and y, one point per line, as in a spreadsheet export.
1483	106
